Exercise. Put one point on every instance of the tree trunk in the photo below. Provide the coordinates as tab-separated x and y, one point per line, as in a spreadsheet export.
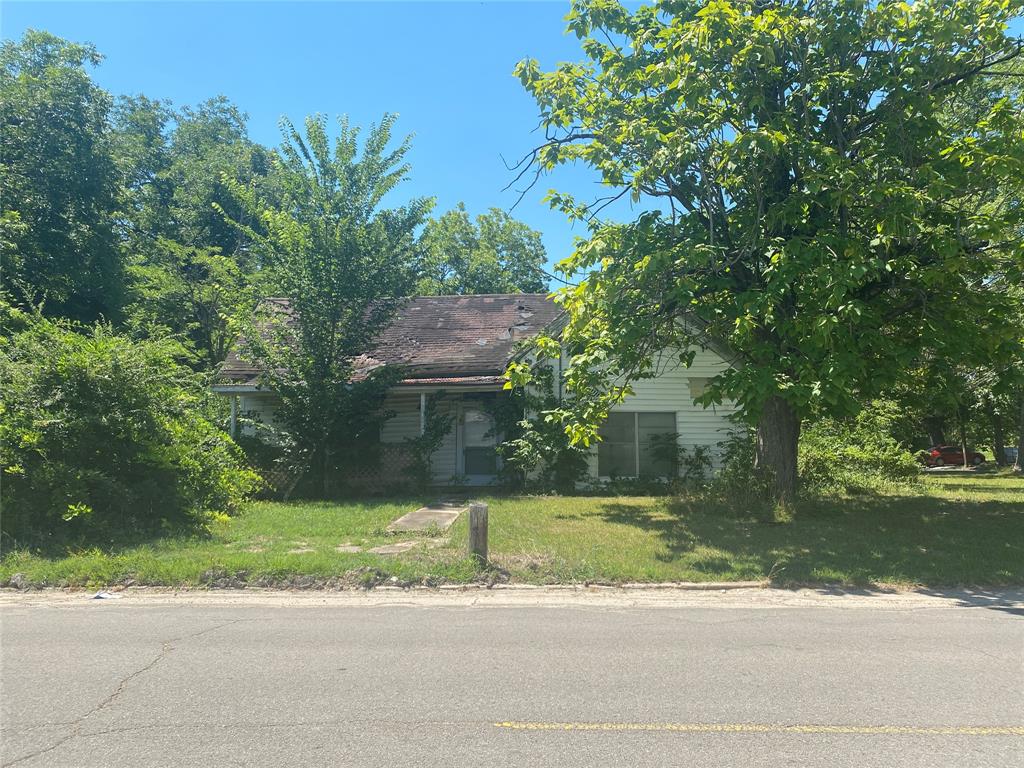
1019	464
998	434
961	417
778	435
936	428
327	472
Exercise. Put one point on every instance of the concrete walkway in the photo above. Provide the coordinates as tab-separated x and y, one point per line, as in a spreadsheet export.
440	515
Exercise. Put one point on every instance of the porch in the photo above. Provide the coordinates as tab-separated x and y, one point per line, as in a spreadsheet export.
466	456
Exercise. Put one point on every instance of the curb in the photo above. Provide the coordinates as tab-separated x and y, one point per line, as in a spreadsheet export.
694	586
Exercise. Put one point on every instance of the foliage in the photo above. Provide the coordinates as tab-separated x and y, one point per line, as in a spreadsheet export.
101	435
738	475
496	254
174	161
190	271
437	424
689	466
59	180
537	452
826	211
342	261
855	454
101	197
197	293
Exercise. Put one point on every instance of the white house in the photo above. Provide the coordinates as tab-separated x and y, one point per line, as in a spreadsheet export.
461	346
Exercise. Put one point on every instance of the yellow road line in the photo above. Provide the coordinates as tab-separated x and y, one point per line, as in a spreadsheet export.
899	730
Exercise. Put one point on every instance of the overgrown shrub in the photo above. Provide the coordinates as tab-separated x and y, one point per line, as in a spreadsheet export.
537	452
737	475
839	456
836	456
102	436
437	424
688	467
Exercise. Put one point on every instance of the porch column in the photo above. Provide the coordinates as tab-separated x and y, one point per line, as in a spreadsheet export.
423	412
233	424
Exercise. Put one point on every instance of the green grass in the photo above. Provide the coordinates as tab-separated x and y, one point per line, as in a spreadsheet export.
952	529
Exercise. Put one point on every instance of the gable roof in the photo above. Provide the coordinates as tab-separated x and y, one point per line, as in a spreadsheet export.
451	340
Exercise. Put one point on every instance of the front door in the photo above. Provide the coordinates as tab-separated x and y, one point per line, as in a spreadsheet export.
479	457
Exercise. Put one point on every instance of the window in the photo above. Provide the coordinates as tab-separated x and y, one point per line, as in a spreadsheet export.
632	445
481	461
478	452
616	453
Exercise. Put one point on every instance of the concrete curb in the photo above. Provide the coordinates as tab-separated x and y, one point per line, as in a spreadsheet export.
1003	601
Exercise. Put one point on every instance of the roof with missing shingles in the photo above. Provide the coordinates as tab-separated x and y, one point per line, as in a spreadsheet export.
442	339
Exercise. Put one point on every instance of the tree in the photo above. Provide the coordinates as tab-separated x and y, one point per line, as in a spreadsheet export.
140	129
811	204
496	254
191	271
59	180
197	293
343	262
209	142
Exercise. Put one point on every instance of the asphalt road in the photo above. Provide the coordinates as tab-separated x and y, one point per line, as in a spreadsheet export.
717	681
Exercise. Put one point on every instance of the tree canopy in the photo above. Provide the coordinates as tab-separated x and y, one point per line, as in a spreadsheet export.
812	199
344	262
494	254
59	178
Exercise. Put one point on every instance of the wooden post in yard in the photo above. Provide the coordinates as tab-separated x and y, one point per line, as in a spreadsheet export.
478	532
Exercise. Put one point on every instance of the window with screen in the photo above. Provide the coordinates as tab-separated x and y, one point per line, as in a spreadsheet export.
657	435
633	445
616	453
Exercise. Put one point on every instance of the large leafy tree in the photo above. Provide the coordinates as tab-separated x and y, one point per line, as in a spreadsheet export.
494	254
197	293
191	271
211	141
809	201
59	181
343	261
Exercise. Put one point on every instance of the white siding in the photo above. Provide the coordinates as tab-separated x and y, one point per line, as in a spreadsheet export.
406	424
445	461
406	421
257	407
669	392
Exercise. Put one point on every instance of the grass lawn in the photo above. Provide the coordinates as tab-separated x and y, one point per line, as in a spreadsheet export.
952	529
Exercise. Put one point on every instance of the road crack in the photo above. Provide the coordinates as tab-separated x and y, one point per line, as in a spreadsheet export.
77	724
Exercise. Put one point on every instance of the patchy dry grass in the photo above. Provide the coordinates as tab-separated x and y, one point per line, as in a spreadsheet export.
952	529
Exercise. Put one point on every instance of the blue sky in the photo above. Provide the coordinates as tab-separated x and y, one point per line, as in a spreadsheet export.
446	68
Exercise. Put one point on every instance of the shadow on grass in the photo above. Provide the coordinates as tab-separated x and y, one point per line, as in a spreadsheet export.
864	540
108	541
988	488
114	541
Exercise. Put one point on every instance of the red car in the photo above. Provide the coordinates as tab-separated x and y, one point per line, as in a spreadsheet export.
942	455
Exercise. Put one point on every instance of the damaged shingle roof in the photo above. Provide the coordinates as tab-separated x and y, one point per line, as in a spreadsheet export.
449	339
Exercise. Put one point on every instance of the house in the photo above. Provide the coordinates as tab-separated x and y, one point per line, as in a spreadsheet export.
460	346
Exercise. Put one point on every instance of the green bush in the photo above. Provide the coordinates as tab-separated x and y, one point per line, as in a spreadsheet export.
839	456
103	437
737	476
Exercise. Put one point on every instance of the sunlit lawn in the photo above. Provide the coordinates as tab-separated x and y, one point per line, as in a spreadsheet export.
955	529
